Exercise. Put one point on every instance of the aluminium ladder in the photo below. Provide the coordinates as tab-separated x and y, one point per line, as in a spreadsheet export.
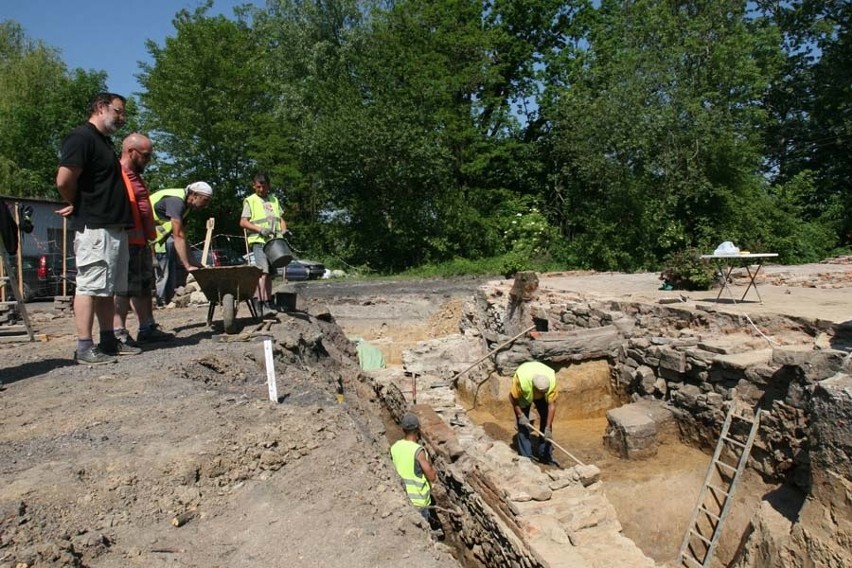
716	496
13	332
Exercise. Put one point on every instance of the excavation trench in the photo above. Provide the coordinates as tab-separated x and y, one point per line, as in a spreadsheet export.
653	498
634	511
681	364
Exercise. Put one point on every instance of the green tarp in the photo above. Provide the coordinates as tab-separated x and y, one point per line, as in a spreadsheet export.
369	356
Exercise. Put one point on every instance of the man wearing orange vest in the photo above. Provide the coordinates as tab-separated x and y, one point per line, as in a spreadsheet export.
136	151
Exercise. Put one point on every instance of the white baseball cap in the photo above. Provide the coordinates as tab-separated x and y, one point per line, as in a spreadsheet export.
201	188
542	383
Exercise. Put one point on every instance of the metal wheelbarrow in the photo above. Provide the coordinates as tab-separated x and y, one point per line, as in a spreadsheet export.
228	285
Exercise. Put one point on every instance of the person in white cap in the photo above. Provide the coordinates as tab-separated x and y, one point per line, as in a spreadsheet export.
534	383
170	207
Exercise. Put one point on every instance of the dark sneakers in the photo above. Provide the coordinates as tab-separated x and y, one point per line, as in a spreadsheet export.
93	356
154	334
119	348
123	336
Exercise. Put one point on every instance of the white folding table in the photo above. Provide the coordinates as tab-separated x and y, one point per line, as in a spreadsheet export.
727	263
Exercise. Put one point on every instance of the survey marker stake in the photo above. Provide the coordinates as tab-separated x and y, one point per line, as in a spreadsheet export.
270	370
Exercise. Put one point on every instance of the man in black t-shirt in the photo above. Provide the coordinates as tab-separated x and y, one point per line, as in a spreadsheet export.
99	211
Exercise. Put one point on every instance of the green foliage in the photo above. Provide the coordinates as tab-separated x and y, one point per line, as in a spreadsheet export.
42	100
458	135
505	265
205	96
528	233
810	103
656	135
684	270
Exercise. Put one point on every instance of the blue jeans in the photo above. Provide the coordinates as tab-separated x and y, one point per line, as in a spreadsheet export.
525	445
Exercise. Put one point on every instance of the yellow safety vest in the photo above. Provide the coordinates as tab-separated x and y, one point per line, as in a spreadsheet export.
404	454
259	218
525	374
164	226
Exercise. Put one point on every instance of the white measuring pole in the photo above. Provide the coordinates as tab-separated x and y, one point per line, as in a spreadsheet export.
270	370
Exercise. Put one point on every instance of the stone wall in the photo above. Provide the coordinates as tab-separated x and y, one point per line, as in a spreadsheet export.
686	363
503	509
695	360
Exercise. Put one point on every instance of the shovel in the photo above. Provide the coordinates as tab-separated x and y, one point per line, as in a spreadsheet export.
557	446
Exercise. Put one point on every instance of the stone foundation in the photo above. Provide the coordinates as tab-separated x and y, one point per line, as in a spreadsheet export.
681	365
506	511
636	430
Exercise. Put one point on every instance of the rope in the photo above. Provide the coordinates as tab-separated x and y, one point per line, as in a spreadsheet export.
757	329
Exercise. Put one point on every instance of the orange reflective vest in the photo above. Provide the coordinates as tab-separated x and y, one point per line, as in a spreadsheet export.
136	235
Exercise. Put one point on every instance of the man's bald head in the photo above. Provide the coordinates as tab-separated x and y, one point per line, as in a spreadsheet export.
136	152
136	141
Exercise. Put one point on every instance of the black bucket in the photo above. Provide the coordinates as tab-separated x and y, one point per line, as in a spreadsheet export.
278	253
286	301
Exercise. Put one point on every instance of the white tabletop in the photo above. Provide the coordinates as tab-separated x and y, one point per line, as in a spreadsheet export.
742	255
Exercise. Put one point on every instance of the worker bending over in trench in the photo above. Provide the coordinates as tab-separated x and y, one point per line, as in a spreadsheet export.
534	383
414	467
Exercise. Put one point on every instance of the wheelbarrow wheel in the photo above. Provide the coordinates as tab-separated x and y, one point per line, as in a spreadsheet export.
229	309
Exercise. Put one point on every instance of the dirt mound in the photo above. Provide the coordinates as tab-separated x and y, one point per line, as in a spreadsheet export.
446	320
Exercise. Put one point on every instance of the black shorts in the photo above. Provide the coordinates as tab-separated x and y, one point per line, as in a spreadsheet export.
140	273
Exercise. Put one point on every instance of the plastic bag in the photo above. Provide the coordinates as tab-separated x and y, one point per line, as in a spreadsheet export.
727	248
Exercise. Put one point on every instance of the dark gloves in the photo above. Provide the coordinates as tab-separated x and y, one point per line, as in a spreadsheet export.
265	232
523	421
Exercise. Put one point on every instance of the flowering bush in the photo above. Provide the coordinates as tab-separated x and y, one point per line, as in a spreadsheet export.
529	233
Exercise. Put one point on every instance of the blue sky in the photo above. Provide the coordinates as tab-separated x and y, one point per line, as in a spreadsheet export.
105	36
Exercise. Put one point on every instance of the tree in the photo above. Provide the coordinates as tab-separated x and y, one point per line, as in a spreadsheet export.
655	129
204	98
41	102
810	103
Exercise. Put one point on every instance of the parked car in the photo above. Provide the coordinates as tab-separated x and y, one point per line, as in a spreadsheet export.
42	276
298	270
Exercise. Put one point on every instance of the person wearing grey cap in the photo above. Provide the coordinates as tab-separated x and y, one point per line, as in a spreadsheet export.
534	383
415	469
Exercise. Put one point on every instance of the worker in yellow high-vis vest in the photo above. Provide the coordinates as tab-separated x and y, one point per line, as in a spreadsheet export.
263	220
170	208
534	384
415	469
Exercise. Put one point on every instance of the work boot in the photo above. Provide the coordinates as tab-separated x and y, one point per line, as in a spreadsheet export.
268	310
93	356
154	334
119	348
548	460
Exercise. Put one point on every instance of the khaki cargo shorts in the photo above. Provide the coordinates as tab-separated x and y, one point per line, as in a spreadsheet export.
102	258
